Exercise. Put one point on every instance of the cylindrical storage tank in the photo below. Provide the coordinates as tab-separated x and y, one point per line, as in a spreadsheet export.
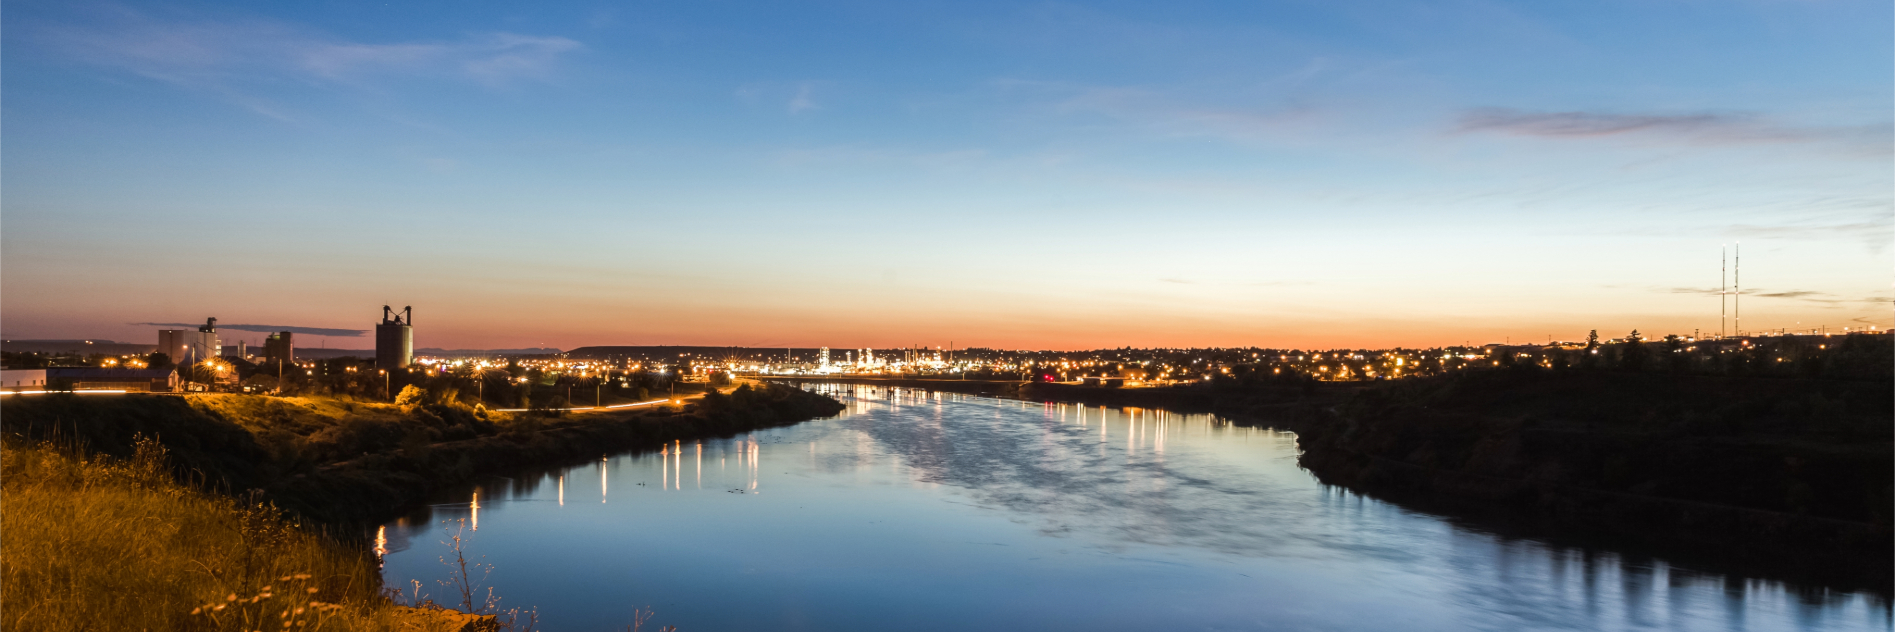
394	346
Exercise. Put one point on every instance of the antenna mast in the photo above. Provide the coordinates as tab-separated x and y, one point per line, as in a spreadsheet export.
1723	289
1737	279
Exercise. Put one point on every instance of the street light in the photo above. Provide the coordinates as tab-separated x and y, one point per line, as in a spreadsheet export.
385	379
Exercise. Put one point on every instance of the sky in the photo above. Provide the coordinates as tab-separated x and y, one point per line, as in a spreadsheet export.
1039	175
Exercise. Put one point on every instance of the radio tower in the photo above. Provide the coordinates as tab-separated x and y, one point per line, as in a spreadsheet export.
1723	289
1737	279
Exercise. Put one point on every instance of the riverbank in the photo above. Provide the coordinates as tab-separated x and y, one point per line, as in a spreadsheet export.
118	544
1788	476
348	464
189	500
1785	477
373	488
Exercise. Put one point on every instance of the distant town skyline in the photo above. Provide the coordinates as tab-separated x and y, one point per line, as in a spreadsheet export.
1044	176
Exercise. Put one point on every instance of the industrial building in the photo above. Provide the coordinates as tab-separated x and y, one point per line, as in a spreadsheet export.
395	339
18	379
130	380
278	348
204	345
174	344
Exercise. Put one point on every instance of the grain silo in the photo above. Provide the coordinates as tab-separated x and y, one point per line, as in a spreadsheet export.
395	339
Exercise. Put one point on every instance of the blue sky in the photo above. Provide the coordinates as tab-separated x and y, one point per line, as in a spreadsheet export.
1045	175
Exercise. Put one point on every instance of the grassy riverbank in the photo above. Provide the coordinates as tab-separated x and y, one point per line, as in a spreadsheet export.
346	463
169	504
118	544
371	488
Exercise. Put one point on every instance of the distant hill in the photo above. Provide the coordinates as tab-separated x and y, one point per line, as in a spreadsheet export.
628	352
76	346
458	353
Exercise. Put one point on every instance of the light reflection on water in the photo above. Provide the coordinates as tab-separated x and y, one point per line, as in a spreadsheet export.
935	511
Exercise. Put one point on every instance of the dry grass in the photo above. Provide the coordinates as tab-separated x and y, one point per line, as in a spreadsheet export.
98	544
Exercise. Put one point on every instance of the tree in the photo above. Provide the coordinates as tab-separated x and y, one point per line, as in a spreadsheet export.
1592	340
159	360
1632	357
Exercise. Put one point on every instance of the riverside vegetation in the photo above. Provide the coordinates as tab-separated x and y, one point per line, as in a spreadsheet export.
1751	465
131	512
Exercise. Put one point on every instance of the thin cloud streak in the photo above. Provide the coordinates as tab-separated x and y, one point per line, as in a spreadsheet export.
313	331
1810	296
1693	129
236	60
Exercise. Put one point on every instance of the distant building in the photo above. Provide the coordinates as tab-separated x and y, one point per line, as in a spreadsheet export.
174	344
240	350
395	339
135	380
22	379
278	348
204	345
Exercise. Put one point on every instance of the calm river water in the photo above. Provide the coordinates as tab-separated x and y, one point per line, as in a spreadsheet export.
934	511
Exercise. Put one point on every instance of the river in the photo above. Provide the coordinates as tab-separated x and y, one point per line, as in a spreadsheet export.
934	511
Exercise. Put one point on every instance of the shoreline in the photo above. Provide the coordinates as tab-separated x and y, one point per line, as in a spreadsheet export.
1374	451
367	491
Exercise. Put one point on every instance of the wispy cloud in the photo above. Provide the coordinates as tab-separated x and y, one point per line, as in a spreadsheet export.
1875	233
1811	296
1705	128
313	331
1804	294
240	60
804	99
1688	290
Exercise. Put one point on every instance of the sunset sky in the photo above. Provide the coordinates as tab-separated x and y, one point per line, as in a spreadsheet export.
1038	175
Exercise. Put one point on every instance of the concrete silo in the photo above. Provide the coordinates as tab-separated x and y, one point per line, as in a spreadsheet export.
395	339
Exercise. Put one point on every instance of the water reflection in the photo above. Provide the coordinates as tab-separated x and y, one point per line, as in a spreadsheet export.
912	505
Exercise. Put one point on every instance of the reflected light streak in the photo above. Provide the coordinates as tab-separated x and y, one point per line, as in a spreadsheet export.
562	490
475	506
381	541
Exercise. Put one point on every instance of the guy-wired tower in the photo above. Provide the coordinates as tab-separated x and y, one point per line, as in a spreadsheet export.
395	339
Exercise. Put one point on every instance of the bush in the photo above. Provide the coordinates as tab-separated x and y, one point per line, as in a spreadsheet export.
410	397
